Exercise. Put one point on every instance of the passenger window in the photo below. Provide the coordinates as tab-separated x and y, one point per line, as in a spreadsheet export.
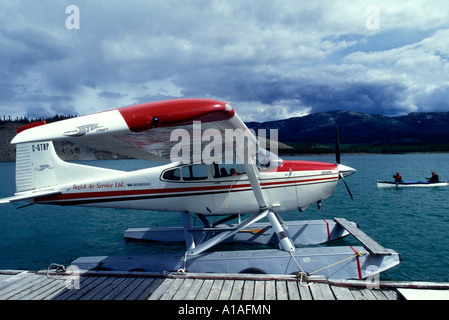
195	172
174	174
228	170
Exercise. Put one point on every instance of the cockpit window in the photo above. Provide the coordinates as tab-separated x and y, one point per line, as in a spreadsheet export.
174	175
267	160
186	173
228	170
194	172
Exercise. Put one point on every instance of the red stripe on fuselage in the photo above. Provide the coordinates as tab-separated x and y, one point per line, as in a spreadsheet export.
181	191
293	165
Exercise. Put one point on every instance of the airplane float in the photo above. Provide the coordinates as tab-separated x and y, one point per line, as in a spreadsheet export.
209	174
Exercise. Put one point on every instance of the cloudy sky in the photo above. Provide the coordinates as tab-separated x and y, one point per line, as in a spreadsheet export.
269	59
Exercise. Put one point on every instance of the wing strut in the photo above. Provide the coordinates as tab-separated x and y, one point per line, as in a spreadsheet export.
193	249
254	181
284	240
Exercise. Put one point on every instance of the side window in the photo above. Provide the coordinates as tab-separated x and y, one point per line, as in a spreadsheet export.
228	170
195	172
174	175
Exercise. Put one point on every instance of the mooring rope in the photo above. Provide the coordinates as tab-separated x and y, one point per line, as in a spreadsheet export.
304	275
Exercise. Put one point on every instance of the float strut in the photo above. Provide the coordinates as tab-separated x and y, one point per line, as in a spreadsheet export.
188	234
280	232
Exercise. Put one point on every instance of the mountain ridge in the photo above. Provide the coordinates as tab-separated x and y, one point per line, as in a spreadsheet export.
359	132
362	128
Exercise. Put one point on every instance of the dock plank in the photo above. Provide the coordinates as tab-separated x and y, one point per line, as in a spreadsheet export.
379	294
293	291
183	289
342	293
304	291
100	290
317	294
226	290
161	289
85	289
391	294
248	290
14	279
270	290
215	290
38	283
237	290
172	289
148	286
66	293
368	294
204	290
194	289
136	282
326	291
41	289
53	291
281	290
358	295
105	290
119	287
259	290
22	284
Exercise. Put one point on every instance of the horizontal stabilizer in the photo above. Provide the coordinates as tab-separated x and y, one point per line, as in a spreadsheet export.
28	195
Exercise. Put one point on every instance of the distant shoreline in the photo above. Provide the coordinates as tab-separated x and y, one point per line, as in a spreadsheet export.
361	153
280	155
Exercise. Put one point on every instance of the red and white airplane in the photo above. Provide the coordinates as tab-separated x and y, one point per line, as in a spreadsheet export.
199	187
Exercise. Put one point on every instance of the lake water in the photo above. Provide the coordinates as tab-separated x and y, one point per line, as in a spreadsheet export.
414	222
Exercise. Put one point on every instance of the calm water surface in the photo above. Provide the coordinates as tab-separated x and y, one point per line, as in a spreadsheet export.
414	221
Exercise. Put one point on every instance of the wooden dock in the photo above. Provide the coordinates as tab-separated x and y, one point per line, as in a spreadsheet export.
105	285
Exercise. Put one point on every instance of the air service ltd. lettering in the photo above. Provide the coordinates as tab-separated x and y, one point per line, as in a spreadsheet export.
103	185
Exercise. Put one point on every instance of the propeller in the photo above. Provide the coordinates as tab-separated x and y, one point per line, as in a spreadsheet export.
342	169
337	146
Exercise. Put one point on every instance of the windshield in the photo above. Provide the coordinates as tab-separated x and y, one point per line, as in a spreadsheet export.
267	160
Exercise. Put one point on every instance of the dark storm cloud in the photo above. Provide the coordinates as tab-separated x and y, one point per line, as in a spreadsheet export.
365	97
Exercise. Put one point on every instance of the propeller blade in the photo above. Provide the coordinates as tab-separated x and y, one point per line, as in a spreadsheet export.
337	146
347	187
341	168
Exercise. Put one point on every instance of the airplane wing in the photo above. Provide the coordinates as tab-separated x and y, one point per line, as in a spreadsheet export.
144	131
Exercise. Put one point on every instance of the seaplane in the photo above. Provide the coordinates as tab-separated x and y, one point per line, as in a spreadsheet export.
214	168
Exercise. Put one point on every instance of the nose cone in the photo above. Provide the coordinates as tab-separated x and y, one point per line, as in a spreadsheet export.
345	170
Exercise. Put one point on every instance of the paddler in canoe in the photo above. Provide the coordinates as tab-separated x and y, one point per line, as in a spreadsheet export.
434	178
397	177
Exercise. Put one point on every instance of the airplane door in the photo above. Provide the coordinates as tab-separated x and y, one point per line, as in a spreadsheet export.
230	195
196	187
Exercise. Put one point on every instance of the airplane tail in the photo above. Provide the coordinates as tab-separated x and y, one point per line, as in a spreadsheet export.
39	166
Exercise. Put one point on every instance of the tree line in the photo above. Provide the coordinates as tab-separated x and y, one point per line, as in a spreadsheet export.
26	120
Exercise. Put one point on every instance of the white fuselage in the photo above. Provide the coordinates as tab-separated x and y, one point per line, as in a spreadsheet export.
202	188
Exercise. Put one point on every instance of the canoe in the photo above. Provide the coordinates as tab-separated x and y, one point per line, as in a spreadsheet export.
408	184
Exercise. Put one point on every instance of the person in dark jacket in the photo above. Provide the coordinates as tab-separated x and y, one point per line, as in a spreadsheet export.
397	177
434	177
